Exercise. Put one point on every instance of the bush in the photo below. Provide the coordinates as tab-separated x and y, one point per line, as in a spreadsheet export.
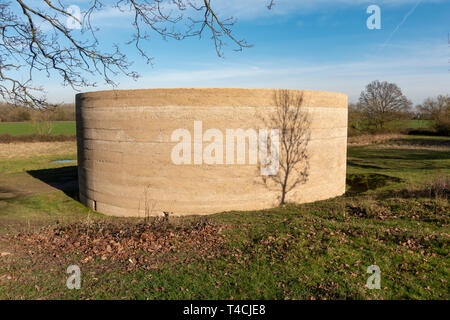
23	115
439	187
442	126
421	132
10	113
437	109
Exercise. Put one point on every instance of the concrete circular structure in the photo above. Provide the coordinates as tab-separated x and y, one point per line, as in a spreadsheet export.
125	145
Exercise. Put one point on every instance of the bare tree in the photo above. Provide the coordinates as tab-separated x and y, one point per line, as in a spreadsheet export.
35	37
438	110
382	102
435	108
293	123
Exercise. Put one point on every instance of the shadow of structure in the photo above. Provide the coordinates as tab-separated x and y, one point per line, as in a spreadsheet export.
421	142
359	183
63	178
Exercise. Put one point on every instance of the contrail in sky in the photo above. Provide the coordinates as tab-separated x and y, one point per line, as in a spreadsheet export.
400	24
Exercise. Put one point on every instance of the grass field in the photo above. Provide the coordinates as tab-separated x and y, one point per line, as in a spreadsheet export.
23	128
68	127
390	217
410	124
358	126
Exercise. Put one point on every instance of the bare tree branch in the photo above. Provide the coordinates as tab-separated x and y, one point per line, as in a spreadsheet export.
35	37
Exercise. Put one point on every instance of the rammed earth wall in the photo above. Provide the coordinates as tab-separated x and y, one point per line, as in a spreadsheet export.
125	143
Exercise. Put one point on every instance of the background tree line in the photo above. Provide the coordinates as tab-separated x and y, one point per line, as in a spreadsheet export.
382	108
10	113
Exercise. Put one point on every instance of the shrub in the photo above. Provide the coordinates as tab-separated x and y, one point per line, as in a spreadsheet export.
442	126
23	115
10	113
439	187
438	109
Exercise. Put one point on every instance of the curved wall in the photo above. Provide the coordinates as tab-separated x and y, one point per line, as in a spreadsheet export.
124	150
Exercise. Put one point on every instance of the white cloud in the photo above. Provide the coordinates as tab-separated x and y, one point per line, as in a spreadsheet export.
420	69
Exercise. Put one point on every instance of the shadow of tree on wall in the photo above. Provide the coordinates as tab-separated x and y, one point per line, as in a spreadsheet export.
63	178
294	124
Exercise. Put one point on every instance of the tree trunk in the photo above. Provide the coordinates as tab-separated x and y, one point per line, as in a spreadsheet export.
283	195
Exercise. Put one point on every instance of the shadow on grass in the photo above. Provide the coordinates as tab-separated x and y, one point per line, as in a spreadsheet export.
354	163
422	142
359	183
63	178
398	154
397	159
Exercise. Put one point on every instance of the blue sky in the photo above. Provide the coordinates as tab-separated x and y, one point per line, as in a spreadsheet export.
316	45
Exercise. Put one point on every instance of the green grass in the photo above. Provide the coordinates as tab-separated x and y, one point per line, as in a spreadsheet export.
319	250
362	126
413	166
22	128
14	166
410	124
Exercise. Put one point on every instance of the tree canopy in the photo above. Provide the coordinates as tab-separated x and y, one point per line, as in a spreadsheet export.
382	102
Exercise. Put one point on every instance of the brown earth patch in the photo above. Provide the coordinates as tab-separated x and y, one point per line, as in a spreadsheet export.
134	245
368	139
399	141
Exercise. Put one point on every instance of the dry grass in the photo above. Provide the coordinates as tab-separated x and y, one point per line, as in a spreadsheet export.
367	139
439	187
399	141
411	147
32	149
436	187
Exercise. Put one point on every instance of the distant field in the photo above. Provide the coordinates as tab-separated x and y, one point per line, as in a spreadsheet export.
361	126
411	124
68	127
22	128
